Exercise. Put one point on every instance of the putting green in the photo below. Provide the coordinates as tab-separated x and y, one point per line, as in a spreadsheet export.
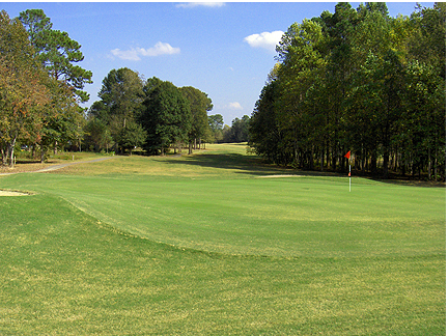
307	216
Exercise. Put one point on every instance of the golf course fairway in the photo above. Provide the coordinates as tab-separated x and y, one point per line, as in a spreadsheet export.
218	244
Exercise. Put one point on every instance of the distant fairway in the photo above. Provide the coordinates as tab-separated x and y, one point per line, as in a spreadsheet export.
201	245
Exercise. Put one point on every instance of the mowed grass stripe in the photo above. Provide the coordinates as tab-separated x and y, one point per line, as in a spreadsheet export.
286	217
65	273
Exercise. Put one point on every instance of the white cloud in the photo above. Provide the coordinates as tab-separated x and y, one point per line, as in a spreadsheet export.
126	54
204	4
234	106
265	40
159	49
134	54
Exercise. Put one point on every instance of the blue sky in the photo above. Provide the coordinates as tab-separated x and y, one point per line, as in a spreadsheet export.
224	49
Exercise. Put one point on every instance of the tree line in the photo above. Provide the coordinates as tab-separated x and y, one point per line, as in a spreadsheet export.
358	80
41	88
40	84
152	114
155	115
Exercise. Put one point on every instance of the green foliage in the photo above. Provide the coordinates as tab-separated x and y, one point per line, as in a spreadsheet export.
266	135
168	115
165	116
121	95
64	119
199	104
57	51
216	124
119	110
40	108
23	88
131	136
348	81
428	41
35	21
238	132
97	136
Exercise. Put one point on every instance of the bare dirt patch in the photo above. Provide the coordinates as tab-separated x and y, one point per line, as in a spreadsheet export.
24	168
44	167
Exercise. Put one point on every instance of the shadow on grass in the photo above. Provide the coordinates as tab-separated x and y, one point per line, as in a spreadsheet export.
254	165
27	161
412	183
243	164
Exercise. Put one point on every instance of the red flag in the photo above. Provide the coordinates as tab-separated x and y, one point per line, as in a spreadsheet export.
347	155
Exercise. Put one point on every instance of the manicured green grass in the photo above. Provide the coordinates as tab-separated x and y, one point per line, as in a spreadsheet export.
205	245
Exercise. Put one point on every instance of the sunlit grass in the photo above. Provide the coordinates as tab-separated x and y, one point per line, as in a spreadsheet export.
25	163
202	246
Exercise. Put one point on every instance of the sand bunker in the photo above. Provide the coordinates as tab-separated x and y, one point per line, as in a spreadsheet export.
12	193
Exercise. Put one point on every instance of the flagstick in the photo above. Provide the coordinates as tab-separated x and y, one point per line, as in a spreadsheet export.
349	172
350	178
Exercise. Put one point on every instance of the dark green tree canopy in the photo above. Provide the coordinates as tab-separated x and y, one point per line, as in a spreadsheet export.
120	106
358	80
36	22
121	94
165	116
199	105
131	136
168	114
57	51
239	131
216	122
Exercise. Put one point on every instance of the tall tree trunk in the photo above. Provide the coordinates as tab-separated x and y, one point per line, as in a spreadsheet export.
413	167
392	159
42	154
435	165
386	162
429	164
334	158
363	160
322	159
4	155
396	159
11	152
311	165
296	152
403	163
373	161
